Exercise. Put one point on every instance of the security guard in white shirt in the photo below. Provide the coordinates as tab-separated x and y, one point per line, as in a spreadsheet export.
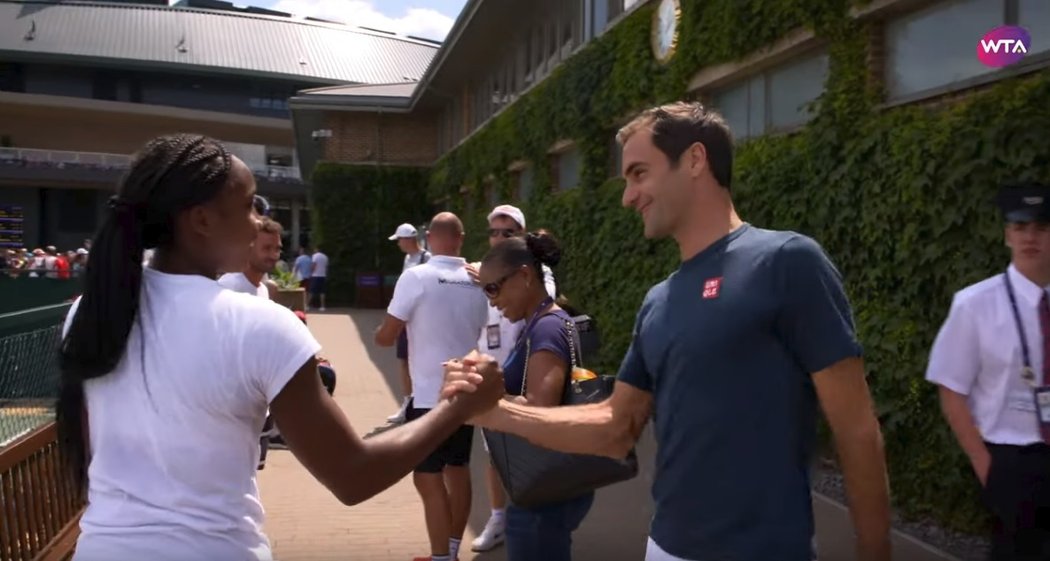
991	360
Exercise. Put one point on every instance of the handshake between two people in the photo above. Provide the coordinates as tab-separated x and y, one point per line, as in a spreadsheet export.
475	383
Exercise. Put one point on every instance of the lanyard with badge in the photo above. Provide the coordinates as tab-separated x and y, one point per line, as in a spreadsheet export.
1041	393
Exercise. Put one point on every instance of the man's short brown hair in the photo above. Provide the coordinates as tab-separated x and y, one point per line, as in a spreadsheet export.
270	226
677	126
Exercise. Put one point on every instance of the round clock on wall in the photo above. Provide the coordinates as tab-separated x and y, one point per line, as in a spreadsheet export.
665	29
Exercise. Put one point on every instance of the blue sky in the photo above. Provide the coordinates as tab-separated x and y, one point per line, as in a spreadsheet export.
424	18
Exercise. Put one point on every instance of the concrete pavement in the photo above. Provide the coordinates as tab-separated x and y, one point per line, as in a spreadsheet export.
305	522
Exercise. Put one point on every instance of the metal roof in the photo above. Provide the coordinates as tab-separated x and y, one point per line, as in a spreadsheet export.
366	97
404	90
210	40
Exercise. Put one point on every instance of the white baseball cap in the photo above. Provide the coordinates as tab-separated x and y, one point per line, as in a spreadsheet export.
405	230
512	212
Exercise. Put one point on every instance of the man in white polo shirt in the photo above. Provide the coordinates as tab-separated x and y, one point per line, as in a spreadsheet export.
407	238
443	310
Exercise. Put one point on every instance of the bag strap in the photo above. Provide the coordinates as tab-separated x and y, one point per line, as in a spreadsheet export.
572	355
573	334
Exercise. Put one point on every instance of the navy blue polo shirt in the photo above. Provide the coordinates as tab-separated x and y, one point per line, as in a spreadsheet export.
726	345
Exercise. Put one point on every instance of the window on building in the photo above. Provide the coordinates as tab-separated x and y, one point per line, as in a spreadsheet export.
491	193
525	179
568	28
12	77
777	99
536	54
1034	15
268	97
792	88
280	156
268	102
104	86
565	169
554	38
934	48
604	11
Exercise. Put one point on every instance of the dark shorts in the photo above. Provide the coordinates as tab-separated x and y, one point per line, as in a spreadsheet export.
402	345
453	452
317	285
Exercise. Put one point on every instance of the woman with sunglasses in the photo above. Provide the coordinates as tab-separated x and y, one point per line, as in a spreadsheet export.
536	372
166	376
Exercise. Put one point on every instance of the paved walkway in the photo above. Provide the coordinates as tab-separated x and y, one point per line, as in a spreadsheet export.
306	523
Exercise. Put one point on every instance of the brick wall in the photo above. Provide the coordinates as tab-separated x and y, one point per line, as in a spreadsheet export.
392	138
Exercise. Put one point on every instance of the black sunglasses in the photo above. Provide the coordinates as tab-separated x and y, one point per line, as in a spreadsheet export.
493	289
502	232
261	205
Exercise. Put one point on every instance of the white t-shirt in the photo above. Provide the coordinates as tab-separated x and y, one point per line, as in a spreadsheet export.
174	429
443	311
977	353
508	332
239	282
320	265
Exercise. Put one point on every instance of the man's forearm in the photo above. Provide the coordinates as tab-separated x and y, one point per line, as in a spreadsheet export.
867	488
390	456
582	429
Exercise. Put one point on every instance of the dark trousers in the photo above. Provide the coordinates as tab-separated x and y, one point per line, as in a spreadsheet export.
545	533
1017	490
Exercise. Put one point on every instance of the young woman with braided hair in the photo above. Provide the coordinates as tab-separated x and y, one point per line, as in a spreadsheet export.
166	376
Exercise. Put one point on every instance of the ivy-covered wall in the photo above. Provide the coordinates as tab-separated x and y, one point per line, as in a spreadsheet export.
899	197
354	210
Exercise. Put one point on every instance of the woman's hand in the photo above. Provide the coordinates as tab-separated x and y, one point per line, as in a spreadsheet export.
472	270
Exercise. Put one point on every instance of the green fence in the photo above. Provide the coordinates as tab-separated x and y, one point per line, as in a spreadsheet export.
23	292
29	374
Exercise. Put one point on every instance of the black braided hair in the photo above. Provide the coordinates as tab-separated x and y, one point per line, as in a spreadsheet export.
535	249
168	175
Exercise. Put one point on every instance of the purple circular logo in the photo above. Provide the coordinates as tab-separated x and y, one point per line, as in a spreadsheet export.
1003	46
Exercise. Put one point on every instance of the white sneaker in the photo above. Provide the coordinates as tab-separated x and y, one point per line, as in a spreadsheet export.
490	537
399	417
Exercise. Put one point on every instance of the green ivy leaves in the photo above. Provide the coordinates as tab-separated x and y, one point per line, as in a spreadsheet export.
354	210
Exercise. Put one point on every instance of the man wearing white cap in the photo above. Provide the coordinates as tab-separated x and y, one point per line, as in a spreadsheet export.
407	238
497	339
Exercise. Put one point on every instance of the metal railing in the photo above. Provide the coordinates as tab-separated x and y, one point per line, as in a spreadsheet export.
60	158
29	374
40	500
32	157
